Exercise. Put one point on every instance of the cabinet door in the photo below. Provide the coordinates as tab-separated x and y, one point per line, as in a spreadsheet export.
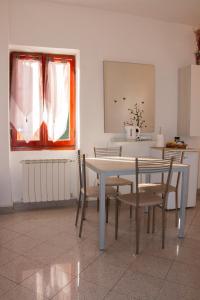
195	101
192	159
184	100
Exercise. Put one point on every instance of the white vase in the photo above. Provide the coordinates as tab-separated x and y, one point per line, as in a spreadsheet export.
132	132
160	142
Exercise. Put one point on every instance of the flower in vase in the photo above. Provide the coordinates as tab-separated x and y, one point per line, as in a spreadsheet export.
136	116
197	34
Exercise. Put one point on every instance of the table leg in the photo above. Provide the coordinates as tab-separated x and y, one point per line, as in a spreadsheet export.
183	203
101	212
147	180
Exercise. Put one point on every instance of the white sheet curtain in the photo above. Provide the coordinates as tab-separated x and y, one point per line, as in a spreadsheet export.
27	111
57	98
26	97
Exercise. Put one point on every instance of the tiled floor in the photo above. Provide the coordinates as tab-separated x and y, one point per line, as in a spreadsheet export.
42	258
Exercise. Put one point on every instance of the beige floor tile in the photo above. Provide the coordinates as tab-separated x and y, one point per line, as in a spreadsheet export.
93	234
75	261
18	269
118	256
193	232
21	293
9	219
170	233
6	255
184	274
196	221
89	248
169	240
62	225
5	285
191	243
47	267
101	273
127	241
151	265
82	290
118	296
189	256
7	235
90	229
65	241
42	221
48	281
44	253
22	227
139	285
172	291
21	244
154	248
43	234
197	215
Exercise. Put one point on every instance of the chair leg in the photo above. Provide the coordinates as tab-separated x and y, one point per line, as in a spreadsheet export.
107	208
149	219
131	211
116	217
131	208
176	206
163	227
153	219
82	215
86	205
137	222
78	209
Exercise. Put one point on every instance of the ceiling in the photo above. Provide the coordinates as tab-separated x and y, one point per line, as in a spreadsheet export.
176	11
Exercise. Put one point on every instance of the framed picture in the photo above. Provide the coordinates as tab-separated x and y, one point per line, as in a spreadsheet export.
129	89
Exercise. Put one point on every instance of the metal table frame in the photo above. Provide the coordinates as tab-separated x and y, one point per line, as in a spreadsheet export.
124	166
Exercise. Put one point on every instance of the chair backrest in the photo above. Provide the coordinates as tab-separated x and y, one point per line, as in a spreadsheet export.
161	165
82	170
177	157
84	174
108	151
79	168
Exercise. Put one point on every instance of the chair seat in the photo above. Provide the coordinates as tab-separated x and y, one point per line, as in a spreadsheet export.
156	187
93	191
146	199
117	181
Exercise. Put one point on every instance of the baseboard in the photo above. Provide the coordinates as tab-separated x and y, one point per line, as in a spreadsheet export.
20	206
6	210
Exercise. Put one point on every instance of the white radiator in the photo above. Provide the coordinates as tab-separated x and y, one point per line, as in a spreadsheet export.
48	180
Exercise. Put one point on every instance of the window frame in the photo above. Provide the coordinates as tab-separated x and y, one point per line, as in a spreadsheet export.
44	143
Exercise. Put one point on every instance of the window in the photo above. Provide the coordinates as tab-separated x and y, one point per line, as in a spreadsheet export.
42	101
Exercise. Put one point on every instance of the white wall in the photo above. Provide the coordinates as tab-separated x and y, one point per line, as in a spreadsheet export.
99	35
5	187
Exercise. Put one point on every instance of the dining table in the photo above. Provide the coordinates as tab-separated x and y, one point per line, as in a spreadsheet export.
117	166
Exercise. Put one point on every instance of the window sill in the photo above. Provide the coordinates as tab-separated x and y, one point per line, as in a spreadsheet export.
55	148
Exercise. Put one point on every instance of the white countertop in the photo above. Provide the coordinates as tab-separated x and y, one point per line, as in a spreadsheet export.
124	140
177	149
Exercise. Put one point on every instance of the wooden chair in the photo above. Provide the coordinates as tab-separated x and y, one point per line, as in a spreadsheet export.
114	181
146	199
86	193
160	187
